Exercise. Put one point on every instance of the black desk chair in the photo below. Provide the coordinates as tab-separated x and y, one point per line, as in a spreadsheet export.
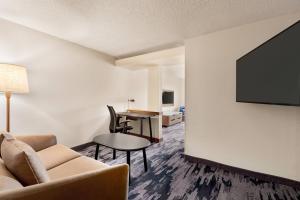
115	125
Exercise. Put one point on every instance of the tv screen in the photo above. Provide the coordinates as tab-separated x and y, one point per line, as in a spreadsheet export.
271	73
168	97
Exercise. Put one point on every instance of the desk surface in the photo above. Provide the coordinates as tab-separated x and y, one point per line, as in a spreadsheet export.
135	115
146	112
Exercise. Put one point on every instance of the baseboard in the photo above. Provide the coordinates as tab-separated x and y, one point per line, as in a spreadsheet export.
155	140
83	146
258	175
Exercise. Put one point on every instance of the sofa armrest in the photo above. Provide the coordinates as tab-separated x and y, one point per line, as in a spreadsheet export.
38	142
106	184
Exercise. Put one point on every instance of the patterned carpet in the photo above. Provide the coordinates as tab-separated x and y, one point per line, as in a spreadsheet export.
170	177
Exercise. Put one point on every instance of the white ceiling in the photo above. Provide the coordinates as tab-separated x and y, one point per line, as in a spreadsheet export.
129	27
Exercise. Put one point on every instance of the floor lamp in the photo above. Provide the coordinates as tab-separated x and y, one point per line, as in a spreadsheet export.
13	79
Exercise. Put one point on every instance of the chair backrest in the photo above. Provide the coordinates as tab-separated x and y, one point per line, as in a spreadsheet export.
113	119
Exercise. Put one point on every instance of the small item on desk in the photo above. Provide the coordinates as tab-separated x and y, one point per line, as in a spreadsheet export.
130	101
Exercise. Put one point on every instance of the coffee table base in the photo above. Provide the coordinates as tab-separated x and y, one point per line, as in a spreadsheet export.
127	157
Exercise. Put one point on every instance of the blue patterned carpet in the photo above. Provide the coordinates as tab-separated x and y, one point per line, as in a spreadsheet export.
170	177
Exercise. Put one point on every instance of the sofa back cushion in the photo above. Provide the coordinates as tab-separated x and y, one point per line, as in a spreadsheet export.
7	180
22	161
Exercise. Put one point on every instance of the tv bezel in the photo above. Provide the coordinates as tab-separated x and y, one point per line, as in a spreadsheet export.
167	104
258	102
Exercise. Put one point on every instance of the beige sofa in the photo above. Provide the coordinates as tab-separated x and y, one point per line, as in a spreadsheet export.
72	176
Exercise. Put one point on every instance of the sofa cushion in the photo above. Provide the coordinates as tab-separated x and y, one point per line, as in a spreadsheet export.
7	183
23	162
7	180
4	171
57	155
74	167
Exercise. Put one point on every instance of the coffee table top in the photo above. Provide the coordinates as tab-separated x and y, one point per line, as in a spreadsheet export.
122	142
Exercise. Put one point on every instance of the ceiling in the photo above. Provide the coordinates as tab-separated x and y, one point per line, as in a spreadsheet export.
123	28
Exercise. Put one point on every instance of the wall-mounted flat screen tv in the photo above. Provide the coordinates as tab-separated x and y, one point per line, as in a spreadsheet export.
270	74
168	97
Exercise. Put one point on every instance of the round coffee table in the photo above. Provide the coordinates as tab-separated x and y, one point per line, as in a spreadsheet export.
122	142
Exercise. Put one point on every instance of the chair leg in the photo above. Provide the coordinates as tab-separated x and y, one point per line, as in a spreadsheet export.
124	128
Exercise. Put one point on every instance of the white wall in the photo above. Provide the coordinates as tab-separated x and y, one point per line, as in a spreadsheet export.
262	138
70	86
154	88
153	104
172	78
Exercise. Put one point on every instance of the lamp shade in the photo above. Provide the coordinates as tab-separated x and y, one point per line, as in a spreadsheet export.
13	79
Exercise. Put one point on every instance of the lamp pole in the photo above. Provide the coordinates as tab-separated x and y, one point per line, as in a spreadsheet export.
7	96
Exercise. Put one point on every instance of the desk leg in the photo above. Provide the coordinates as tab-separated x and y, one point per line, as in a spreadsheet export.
141	131
128	162
150	127
97	151
145	160
114	154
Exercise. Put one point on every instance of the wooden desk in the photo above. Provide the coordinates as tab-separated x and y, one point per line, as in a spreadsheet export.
140	116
